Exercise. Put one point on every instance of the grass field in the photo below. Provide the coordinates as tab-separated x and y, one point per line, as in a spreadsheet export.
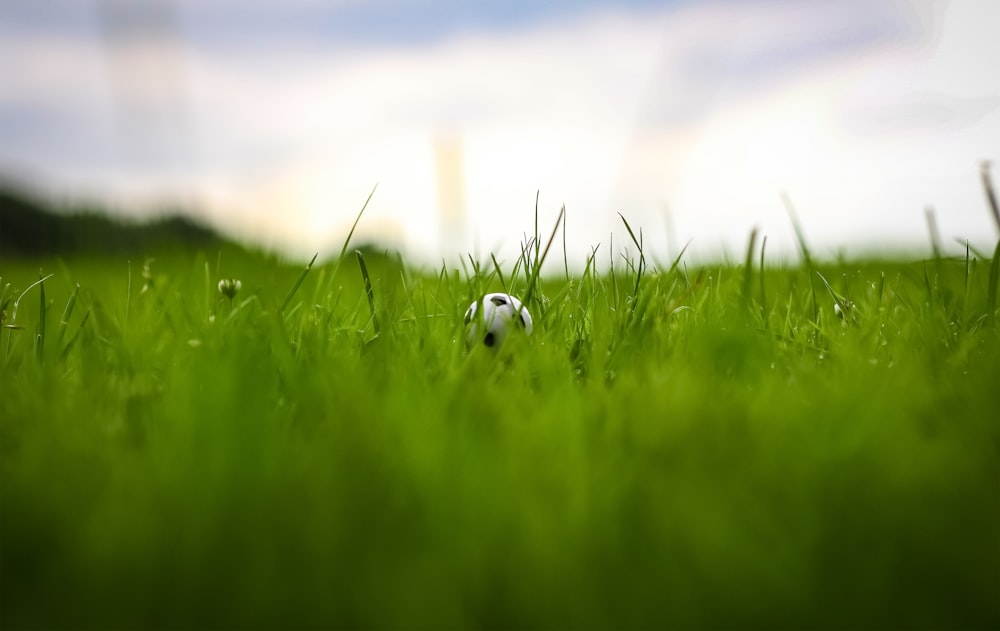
708	447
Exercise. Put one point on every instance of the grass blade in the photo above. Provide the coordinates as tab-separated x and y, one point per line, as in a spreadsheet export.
25	292
803	247
368	290
496	267
677	261
523	260
748	266
966	244
350	233
4	301
128	296
642	262
842	303
928	286
538	237
298	283
967	266
932	229
347	241
565	259
40	328
13	316
800	236
67	314
630	233
72	341
991	291
763	295
533	280
991	196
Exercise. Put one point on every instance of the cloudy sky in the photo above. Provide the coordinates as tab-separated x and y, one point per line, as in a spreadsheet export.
273	119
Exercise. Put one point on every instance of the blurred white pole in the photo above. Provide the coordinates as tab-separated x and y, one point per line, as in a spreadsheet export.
449	161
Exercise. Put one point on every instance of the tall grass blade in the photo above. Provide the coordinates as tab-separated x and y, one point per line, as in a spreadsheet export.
803	247
842	303
968	280
4	302
476	277
368	290
533	280
677	260
642	261
26	290
128	296
524	259
208	290
350	233
496	268
40	328
800	236
538	237
72	341
589	270
629	229
991	292
928	286
748	266
347	241
932	229
297	284
13	316
565	258
611	270
991	196
967	265
67	314
966	244
763	295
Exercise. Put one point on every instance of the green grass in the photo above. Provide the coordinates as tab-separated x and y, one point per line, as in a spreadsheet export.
673	447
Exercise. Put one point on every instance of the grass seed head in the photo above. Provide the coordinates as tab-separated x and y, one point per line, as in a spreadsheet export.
229	287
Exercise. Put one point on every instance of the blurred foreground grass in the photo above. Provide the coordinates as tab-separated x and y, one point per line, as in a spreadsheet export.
673	447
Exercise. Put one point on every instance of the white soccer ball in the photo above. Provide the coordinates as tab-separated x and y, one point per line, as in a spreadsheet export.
501	314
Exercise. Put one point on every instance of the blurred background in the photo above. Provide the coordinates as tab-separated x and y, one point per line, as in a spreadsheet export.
271	120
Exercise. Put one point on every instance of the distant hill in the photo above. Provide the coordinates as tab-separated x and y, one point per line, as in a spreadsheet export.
29	227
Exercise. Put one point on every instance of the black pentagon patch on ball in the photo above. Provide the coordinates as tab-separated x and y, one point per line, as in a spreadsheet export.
489	340
498	300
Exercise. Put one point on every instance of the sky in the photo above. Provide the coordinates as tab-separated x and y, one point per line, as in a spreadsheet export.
273	120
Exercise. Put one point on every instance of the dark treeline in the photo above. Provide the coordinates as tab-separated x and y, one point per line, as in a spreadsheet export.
29	227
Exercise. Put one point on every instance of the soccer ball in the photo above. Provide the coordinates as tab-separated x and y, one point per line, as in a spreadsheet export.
501	313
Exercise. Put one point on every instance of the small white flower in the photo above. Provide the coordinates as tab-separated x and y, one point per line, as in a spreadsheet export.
229	287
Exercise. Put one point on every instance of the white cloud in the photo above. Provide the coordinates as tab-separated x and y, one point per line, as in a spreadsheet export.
864	112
